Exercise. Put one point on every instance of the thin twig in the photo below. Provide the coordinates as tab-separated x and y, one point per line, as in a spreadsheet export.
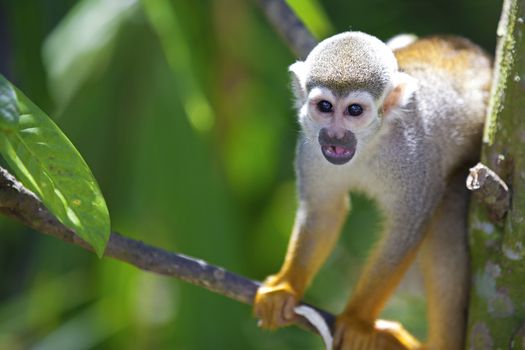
21	204
489	189
289	27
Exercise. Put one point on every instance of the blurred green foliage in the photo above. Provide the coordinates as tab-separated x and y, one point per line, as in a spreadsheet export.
182	110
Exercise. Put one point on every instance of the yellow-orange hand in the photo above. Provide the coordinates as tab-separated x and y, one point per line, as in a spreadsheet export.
274	304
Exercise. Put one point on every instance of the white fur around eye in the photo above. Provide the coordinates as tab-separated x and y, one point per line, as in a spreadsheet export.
359	97
320	93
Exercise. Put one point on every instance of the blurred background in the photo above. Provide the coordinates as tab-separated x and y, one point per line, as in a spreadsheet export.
183	111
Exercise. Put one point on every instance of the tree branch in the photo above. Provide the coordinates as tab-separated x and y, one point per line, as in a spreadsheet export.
289	27
21	204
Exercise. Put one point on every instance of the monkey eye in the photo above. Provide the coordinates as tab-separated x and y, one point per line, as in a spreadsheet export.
355	110
324	106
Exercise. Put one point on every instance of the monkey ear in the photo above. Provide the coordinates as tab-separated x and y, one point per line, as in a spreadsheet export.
298	73
401	95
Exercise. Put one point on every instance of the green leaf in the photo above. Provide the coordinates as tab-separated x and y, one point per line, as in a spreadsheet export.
82	44
314	17
8	110
164	20
48	164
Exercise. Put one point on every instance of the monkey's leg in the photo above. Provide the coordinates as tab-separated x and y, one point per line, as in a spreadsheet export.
445	265
316	229
405	227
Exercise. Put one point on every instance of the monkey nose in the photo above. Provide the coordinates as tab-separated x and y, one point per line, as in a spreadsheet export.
336	134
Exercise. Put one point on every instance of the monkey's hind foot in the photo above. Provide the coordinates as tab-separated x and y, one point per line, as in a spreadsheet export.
353	334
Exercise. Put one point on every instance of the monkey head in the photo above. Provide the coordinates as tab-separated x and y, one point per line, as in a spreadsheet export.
346	87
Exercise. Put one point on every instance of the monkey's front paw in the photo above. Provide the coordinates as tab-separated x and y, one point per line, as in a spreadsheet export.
354	334
274	304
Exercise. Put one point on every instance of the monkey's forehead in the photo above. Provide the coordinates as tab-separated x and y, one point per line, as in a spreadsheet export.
342	83
351	61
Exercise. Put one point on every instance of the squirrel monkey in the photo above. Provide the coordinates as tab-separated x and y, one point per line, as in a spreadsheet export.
398	125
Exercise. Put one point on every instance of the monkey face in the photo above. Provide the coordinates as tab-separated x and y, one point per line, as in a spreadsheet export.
338	120
344	90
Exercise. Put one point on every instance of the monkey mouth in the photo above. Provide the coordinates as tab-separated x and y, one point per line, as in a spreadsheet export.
337	154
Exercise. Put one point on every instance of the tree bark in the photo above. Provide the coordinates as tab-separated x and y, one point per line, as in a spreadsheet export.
19	203
497	239
293	32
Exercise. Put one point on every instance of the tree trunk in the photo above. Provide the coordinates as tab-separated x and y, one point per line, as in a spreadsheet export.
497	245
